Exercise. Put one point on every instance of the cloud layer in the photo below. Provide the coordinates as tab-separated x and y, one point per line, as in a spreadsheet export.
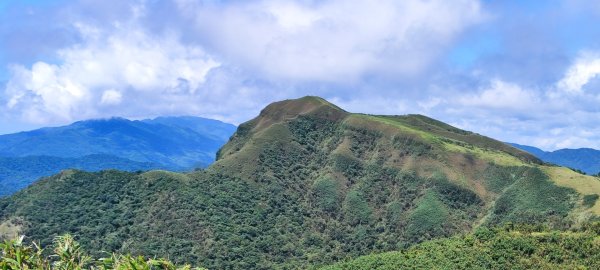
525	73
107	69
334	41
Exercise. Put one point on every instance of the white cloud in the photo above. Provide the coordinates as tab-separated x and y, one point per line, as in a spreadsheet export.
585	68
107	66
381	56
111	97
334	41
502	95
292	16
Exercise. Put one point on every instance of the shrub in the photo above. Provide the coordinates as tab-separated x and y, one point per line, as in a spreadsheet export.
427	219
68	255
356	208
326	194
590	200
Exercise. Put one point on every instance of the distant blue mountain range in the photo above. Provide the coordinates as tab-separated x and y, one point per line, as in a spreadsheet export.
584	159
172	143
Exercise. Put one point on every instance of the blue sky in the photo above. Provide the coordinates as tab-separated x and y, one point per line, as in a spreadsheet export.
518	71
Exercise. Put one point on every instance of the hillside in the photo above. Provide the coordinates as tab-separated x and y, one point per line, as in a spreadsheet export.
584	159
18	172
305	184
492	249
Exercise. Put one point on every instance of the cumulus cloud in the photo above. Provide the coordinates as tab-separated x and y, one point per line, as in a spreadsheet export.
502	95
104	69
235	57
585	68
559	115
334	40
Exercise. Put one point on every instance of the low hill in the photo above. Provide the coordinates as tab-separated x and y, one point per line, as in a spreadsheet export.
491	249
584	159
306	184
18	172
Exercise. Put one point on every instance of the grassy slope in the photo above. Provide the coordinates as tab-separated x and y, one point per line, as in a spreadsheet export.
459	141
586	185
305	183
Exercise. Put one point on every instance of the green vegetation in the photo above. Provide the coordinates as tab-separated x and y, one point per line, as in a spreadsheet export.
590	200
501	248
448	132
67	254
577	171
533	198
498	178
410	145
302	185
583	184
357	209
428	218
326	193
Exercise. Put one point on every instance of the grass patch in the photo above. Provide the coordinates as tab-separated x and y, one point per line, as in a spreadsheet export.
583	184
391	122
489	155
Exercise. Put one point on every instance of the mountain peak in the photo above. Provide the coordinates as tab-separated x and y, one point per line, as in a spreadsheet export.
300	106
278	121
291	108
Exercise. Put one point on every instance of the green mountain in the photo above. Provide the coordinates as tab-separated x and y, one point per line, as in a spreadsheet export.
178	143
174	143
307	184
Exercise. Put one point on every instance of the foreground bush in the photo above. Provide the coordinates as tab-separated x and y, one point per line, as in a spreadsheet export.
67	254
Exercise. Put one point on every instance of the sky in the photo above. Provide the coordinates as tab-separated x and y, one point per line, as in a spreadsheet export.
518	71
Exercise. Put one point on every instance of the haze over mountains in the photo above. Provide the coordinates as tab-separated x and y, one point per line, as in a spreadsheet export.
307	184
173	143
584	159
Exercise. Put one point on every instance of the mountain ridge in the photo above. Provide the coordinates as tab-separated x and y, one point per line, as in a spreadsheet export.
584	159
151	140
174	143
